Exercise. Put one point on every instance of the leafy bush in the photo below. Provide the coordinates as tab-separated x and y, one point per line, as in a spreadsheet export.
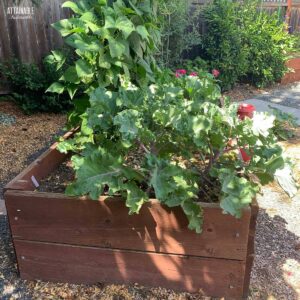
196	65
29	83
179	31
223	44
245	44
269	43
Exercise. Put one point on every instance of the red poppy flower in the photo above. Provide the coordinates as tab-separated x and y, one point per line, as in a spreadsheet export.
216	72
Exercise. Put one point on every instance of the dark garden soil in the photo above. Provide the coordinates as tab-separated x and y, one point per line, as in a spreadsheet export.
58	180
276	272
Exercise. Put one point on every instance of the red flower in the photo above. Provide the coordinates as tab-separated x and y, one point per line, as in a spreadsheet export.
216	72
194	74
180	72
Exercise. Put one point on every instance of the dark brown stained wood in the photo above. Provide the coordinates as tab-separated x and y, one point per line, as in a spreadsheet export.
55	262
251	247
40	168
60	219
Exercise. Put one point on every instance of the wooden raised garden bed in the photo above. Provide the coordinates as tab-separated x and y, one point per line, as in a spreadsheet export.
77	240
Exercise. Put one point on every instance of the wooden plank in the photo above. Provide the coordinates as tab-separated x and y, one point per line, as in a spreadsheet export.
251	248
65	263
106	223
40	168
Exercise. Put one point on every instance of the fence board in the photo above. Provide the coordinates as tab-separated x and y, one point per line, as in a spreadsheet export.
32	38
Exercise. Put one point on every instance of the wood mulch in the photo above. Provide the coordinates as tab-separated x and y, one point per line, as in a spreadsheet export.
23	140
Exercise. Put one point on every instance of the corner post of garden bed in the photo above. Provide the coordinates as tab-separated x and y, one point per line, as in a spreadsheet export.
250	248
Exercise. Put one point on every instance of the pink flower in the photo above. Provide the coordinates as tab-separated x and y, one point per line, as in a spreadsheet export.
180	72
216	72
194	74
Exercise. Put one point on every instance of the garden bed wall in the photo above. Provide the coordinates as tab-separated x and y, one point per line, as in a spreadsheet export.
71	239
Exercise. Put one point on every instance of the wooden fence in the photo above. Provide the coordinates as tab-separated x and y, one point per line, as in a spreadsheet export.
25	29
29	36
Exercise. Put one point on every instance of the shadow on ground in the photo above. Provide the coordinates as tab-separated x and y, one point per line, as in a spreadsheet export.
274	246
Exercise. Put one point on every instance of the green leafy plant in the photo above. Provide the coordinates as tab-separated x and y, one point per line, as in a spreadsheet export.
111	39
29	82
284	124
196	65
223	45
245	44
269	45
179	30
187	146
173	138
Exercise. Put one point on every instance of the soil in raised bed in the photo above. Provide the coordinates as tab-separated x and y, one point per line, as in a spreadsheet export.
64	175
59	179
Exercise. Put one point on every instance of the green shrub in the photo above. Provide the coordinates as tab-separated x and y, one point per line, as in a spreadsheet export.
179	31
196	65
223	45
29	83
244	43
269	44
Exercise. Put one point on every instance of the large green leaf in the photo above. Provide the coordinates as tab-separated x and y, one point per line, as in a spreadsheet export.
130	123
94	172
135	197
72	5
124	25
56	87
83	68
84	44
118	47
70	75
64	27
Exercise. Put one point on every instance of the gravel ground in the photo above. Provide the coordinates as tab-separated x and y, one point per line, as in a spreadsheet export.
276	272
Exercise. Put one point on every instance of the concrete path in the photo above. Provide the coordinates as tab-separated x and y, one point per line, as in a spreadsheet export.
285	99
2	208
263	106
287	96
